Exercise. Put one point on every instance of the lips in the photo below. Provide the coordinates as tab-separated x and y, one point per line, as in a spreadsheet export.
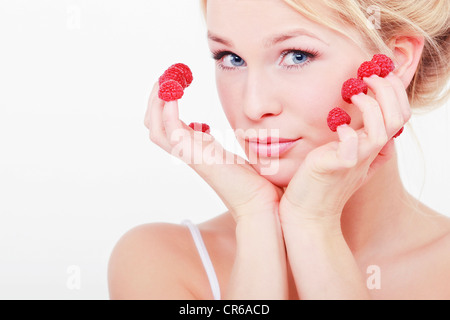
270	140
270	146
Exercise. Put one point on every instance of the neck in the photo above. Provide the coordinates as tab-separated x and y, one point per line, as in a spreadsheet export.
374	212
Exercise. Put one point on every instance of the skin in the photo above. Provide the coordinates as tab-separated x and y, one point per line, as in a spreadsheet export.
338	197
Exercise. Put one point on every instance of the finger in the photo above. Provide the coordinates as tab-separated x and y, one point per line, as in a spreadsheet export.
390	106
173	126
383	156
347	152
374	125
153	118
150	103
402	96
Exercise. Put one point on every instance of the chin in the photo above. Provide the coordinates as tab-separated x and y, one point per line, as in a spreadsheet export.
279	172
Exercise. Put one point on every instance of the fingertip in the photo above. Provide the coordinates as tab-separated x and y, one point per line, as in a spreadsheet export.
391	75
342	127
172	104
357	97
372	77
346	132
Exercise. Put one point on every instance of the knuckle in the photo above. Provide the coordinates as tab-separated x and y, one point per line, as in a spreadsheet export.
348	164
153	137
372	106
366	153
147	123
165	121
381	86
398	120
395	123
380	141
387	86
394	120
408	115
399	123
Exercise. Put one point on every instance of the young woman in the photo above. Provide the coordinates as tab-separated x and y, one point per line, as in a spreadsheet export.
333	221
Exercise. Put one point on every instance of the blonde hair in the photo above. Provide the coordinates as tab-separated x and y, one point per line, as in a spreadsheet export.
429	88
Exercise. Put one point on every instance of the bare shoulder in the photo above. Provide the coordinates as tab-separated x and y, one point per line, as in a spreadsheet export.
441	268
442	243
153	261
435	258
438	226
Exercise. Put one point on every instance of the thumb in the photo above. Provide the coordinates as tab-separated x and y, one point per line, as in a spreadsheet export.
383	156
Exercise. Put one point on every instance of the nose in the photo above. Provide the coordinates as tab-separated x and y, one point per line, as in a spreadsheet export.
260	96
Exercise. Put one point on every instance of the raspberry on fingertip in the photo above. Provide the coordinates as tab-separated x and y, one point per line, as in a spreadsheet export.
368	69
386	64
337	117
353	87
170	90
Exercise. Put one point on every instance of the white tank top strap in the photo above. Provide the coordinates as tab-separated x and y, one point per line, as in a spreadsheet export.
206	260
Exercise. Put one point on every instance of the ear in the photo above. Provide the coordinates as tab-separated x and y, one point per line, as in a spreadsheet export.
407	51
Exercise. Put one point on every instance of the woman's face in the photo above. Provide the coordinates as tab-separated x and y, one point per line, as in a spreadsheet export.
277	70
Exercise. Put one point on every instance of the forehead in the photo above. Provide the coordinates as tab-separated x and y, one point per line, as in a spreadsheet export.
259	22
255	18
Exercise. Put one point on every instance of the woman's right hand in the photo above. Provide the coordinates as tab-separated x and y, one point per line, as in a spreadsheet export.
242	189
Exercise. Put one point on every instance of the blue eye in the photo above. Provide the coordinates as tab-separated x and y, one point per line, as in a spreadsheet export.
235	60
298	57
227	58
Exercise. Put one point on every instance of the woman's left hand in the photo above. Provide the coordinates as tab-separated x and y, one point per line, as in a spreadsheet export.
330	174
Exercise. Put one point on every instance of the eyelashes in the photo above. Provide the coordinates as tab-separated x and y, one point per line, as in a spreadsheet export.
309	54
218	55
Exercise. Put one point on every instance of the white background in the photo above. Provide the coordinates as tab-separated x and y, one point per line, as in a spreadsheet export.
77	169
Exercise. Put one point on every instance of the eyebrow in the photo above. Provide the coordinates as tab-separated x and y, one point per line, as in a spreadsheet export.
271	41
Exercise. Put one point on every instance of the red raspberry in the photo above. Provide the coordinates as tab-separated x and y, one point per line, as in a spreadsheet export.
385	63
398	133
203	127
187	73
173	74
337	117
368	69
352	87
170	90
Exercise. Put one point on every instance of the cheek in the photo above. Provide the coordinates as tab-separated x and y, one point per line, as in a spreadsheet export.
314	95
228	92
311	97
